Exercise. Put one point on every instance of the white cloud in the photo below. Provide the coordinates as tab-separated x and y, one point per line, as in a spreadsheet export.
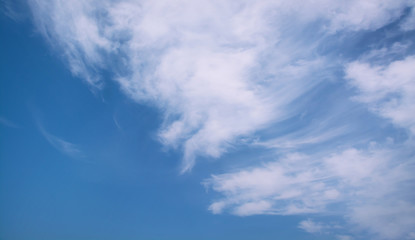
71	28
222	70
250	208
366	15
370	187
389	90
218	70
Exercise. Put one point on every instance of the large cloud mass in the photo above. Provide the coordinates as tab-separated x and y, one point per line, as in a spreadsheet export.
202	62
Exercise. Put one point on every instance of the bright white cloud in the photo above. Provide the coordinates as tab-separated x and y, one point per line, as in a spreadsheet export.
389	90
204	63
362	184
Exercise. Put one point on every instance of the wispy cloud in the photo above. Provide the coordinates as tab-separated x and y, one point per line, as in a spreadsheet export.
195	61
117	124
311	226
219	71
347	182
61	145
306	136
8	123
9	9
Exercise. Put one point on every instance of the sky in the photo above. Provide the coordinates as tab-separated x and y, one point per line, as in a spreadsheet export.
219	119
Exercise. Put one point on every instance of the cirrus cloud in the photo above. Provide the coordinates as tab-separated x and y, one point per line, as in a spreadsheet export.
220	71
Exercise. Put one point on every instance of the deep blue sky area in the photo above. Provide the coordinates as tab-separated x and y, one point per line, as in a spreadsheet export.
124	186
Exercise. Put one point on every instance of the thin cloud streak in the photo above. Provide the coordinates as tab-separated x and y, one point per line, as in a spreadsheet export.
61	145
8	123
8	8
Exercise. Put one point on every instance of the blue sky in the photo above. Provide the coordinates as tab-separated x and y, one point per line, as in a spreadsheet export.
179	119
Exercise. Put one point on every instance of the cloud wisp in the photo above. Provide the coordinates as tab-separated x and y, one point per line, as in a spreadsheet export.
311	226
8	123
60	144
9	9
